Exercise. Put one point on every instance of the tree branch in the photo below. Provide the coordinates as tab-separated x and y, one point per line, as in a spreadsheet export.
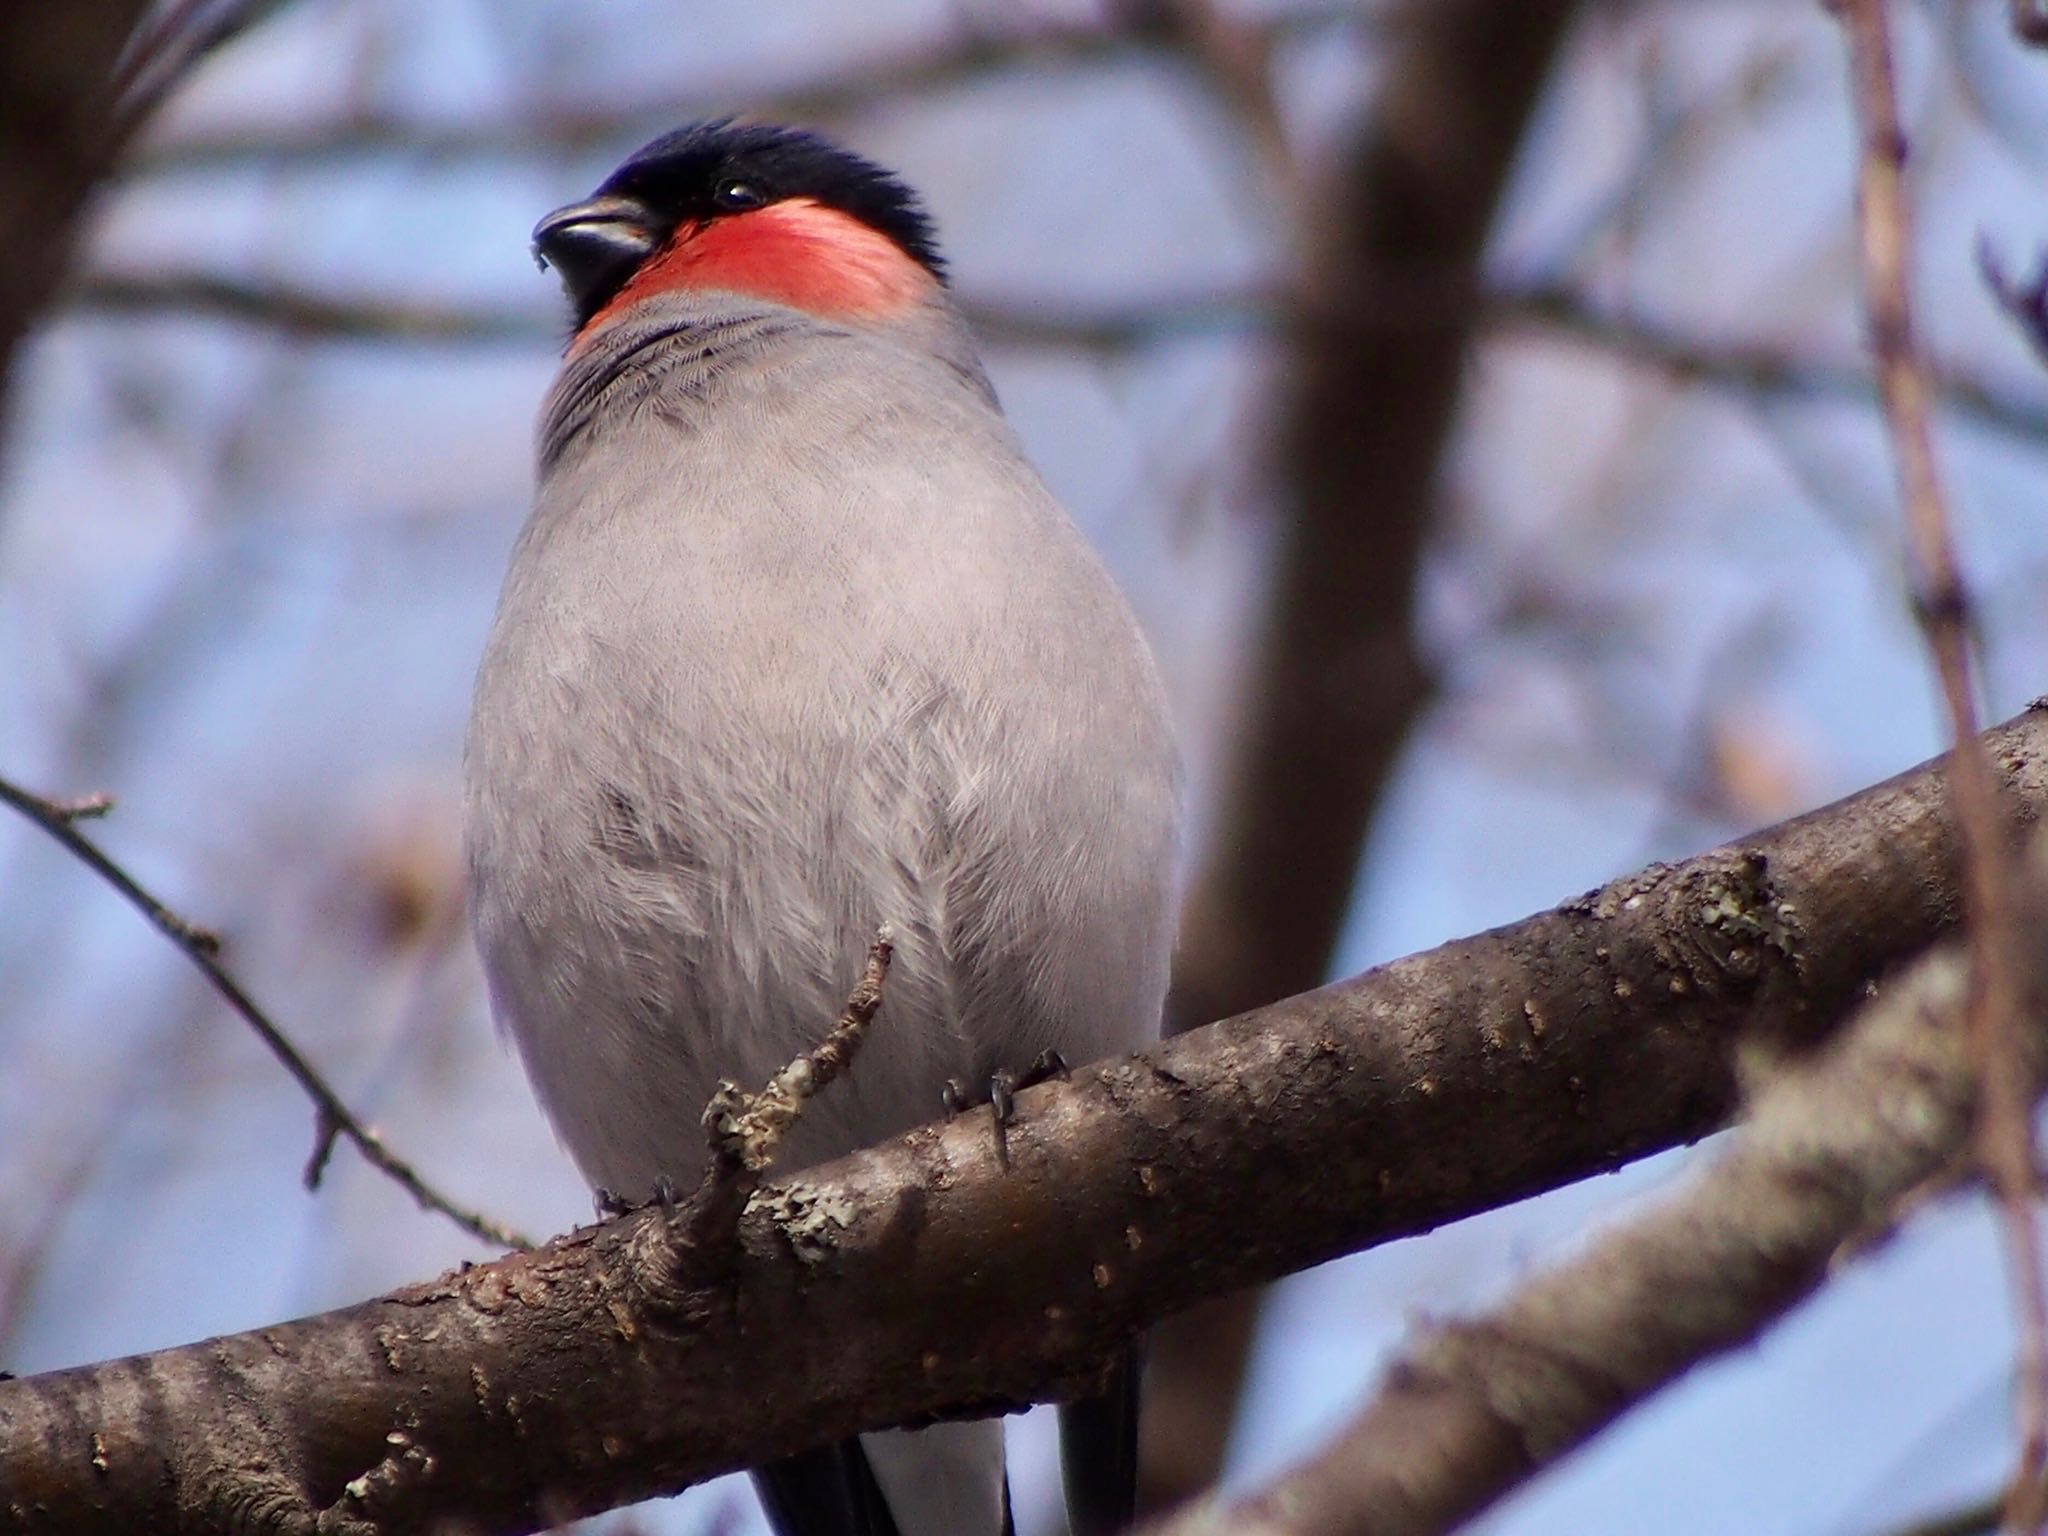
202	947
1473	1409
1753	367
1756	367
582	1376
1336	681
178	39
56	142
1942	607
923	69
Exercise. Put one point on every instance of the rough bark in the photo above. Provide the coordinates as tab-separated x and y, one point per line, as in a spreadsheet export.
1477	1407
924	1277
1393	280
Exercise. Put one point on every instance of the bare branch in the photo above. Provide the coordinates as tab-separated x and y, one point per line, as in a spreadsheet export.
2030	21
305	313
587	1374
1475	1408
302	312
924	69
2026	302
1232	58
1979	1519
202	948
56	142
1942	607
745	1130
160	60
1761	368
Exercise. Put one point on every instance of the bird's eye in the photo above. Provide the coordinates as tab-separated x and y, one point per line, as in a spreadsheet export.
735	195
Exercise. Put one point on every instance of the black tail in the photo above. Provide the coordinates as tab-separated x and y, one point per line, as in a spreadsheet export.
832	1492
1099	1454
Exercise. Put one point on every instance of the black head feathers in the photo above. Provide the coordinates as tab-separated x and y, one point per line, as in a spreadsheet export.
714	168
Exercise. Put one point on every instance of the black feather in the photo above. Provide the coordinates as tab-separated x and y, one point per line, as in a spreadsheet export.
1099	1453
830	1491
679	174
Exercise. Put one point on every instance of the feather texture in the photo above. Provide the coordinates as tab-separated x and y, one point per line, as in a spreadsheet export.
796	643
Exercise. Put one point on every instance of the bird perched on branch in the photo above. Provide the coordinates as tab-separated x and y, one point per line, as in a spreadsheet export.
796	644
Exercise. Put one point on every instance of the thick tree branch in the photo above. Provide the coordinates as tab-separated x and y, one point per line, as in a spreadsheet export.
1475	1408
584	1375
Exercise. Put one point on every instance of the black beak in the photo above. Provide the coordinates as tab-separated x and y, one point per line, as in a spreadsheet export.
595	246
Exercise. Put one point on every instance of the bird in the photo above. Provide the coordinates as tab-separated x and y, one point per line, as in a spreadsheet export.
796	644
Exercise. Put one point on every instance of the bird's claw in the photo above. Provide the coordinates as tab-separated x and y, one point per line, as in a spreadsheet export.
610	1203
1000	1092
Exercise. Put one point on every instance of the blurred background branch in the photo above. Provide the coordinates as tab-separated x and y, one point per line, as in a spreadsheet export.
56	142
201	946
1335	681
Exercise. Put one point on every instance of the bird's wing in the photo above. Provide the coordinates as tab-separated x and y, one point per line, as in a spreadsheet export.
1099	1453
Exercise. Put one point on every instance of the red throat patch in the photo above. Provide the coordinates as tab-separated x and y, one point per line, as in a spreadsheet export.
798	253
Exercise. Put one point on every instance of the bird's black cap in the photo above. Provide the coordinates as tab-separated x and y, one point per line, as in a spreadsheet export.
711	170
683	173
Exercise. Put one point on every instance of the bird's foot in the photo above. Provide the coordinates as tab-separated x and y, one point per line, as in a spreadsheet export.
1000	1092
610	1204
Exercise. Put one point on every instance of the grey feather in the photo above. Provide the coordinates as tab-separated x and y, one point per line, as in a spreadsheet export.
796	643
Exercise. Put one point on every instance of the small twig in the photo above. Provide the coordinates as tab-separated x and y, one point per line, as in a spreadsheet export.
2030	21
202	948
1764	369
2026	302
1232	58
2005	1137
1978	1519
83	807
745	1130
161	59
1043	45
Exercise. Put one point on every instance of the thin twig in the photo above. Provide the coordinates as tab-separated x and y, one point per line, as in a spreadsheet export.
745	1130
1978	1519
1753	367
306	312
202	948
1232	59
923	69
163	57
1761	368
2026	301
1941	602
